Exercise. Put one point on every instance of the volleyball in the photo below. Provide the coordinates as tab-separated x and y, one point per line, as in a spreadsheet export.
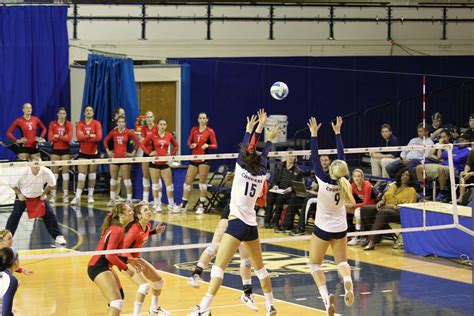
279	90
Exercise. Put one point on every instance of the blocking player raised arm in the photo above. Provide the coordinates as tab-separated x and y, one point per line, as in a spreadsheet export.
330	223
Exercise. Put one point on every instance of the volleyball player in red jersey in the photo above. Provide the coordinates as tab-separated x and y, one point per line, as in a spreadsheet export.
100	266
161	143
148	129
89	134
120	136
201	139
28	125
60	134
138	232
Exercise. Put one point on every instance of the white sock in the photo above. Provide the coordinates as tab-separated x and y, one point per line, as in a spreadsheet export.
65	192
201	265
112	195
137	308
78	193
91	191
160	195
129	197
155	301
206	301
246	282
268	299
146	195
170	201
323	291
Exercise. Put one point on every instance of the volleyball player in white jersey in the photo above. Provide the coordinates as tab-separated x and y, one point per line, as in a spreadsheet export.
330	224
250	173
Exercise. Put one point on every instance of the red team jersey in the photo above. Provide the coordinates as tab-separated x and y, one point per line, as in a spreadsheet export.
146	131
111	239
27	130
64	132
88	144
121	141
161	145
200	138
137	237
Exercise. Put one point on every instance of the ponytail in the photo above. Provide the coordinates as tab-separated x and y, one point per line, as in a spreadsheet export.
346	190
113	218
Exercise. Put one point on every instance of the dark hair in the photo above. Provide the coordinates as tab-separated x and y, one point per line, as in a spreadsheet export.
61	108
398	178
117	110
420	125
436	116
329	157
136	211
448	133
121	117
8	257
387	126
113	218
252	160
162	119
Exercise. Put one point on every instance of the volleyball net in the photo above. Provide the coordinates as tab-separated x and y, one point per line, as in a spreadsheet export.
285	216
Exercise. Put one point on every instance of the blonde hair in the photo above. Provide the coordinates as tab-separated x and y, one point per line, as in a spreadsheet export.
3	233
359	171
338	171
113	218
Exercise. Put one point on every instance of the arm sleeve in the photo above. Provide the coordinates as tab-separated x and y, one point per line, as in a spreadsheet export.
98	136
7	301
81	136
143	144
367	193
213	140
190	137
130	238
51	133
340	148
404	153
51	179
11	129
175	145
43	128
68	137
318	169
106	140
114	242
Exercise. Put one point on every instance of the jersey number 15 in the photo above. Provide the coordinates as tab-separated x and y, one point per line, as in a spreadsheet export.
250	191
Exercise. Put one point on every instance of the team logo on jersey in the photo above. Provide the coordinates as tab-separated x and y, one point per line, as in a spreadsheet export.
88	130
277	264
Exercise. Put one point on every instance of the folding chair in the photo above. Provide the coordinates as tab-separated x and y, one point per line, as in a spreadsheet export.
216	191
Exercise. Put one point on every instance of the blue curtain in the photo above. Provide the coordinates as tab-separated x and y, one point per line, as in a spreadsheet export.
34	60
110	83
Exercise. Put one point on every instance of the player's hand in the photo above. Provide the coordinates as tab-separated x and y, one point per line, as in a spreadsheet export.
153	153
25	271
132	154
43	197
136	263
21	197
313	126
160	229
288	190
205	146
193	145
92	135
262	118
56	136
337	127
109	153
21	140
251	122
466	176
274	133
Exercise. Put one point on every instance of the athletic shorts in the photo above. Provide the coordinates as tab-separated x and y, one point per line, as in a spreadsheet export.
86	156
119	164
324	235
159	167
432	170
197	164
95	270
60	152
243	232
28	150
225	212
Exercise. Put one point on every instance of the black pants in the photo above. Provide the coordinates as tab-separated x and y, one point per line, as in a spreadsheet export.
49	218
371	219
278	200
294	207
311	213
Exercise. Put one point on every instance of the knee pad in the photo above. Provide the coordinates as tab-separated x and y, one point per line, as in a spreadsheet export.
143	288
56	176
170	187
65	176
314	267
357	212
146	182
81	177
158	285
262	273
203	186
342	264
113	182
217	272
117	304
186	187
245	263
211	251
127	182
92	176
156	187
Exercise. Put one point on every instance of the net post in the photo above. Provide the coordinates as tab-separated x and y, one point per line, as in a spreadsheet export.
453	184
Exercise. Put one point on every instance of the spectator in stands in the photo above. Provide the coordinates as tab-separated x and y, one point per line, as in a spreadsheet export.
411	158
437	126
378	161
362	191
466	177
470	131
377	217
310	202
460	155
